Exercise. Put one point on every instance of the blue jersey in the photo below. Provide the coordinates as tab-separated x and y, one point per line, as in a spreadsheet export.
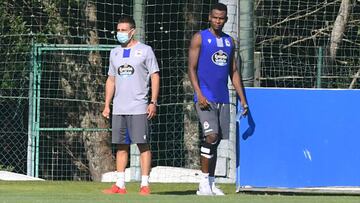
214	65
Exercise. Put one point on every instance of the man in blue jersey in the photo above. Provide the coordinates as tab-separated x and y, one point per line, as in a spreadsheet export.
132	66
211	62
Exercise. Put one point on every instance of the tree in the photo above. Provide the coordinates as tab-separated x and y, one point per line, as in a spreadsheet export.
47	21
96	144
192	15
339	27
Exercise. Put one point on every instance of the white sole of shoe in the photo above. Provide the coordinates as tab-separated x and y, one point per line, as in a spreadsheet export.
203	194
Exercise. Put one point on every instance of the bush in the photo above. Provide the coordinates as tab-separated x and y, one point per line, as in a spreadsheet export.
6	168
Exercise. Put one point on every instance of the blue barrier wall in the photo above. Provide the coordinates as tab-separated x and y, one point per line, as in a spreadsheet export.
299	138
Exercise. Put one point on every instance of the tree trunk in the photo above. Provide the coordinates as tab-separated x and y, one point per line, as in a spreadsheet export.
339	27
84	76
192	15
97	145
191	128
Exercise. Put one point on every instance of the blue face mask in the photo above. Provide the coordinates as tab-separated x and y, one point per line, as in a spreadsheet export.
123	37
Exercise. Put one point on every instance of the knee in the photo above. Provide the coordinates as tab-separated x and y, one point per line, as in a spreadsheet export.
208	146
212	139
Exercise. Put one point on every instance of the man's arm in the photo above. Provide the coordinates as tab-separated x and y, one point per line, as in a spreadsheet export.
194	52
235	77
109	93
155	87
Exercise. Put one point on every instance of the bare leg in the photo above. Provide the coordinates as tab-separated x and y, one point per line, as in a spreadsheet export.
122	155
213	160
145	159
212	164
208	165
204	164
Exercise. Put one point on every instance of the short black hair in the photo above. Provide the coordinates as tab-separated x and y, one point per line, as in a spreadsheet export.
219	6
127	19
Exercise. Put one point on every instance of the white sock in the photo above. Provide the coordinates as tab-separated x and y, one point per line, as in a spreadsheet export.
144	181
120	179
204	178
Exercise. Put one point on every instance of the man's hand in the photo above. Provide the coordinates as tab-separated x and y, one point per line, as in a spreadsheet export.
245	108
106	112
203	102
151	111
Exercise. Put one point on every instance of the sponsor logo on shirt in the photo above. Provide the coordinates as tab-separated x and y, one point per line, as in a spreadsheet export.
209	40
126	70
220	58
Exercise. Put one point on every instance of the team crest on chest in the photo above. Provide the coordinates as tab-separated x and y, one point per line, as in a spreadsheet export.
227	43
138	53
220	58
126	70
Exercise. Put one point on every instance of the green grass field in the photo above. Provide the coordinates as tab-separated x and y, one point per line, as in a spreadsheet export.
89	192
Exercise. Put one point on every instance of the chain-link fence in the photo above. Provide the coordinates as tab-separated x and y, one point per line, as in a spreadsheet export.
50	101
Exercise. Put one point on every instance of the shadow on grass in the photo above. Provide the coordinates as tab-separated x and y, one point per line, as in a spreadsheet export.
185	192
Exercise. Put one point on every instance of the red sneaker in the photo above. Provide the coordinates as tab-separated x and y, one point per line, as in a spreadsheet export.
115	190
144	190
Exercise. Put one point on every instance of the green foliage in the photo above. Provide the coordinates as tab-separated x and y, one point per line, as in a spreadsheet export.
14	43
19	27
6	168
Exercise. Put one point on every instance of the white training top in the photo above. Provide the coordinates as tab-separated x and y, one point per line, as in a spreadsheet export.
132	68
